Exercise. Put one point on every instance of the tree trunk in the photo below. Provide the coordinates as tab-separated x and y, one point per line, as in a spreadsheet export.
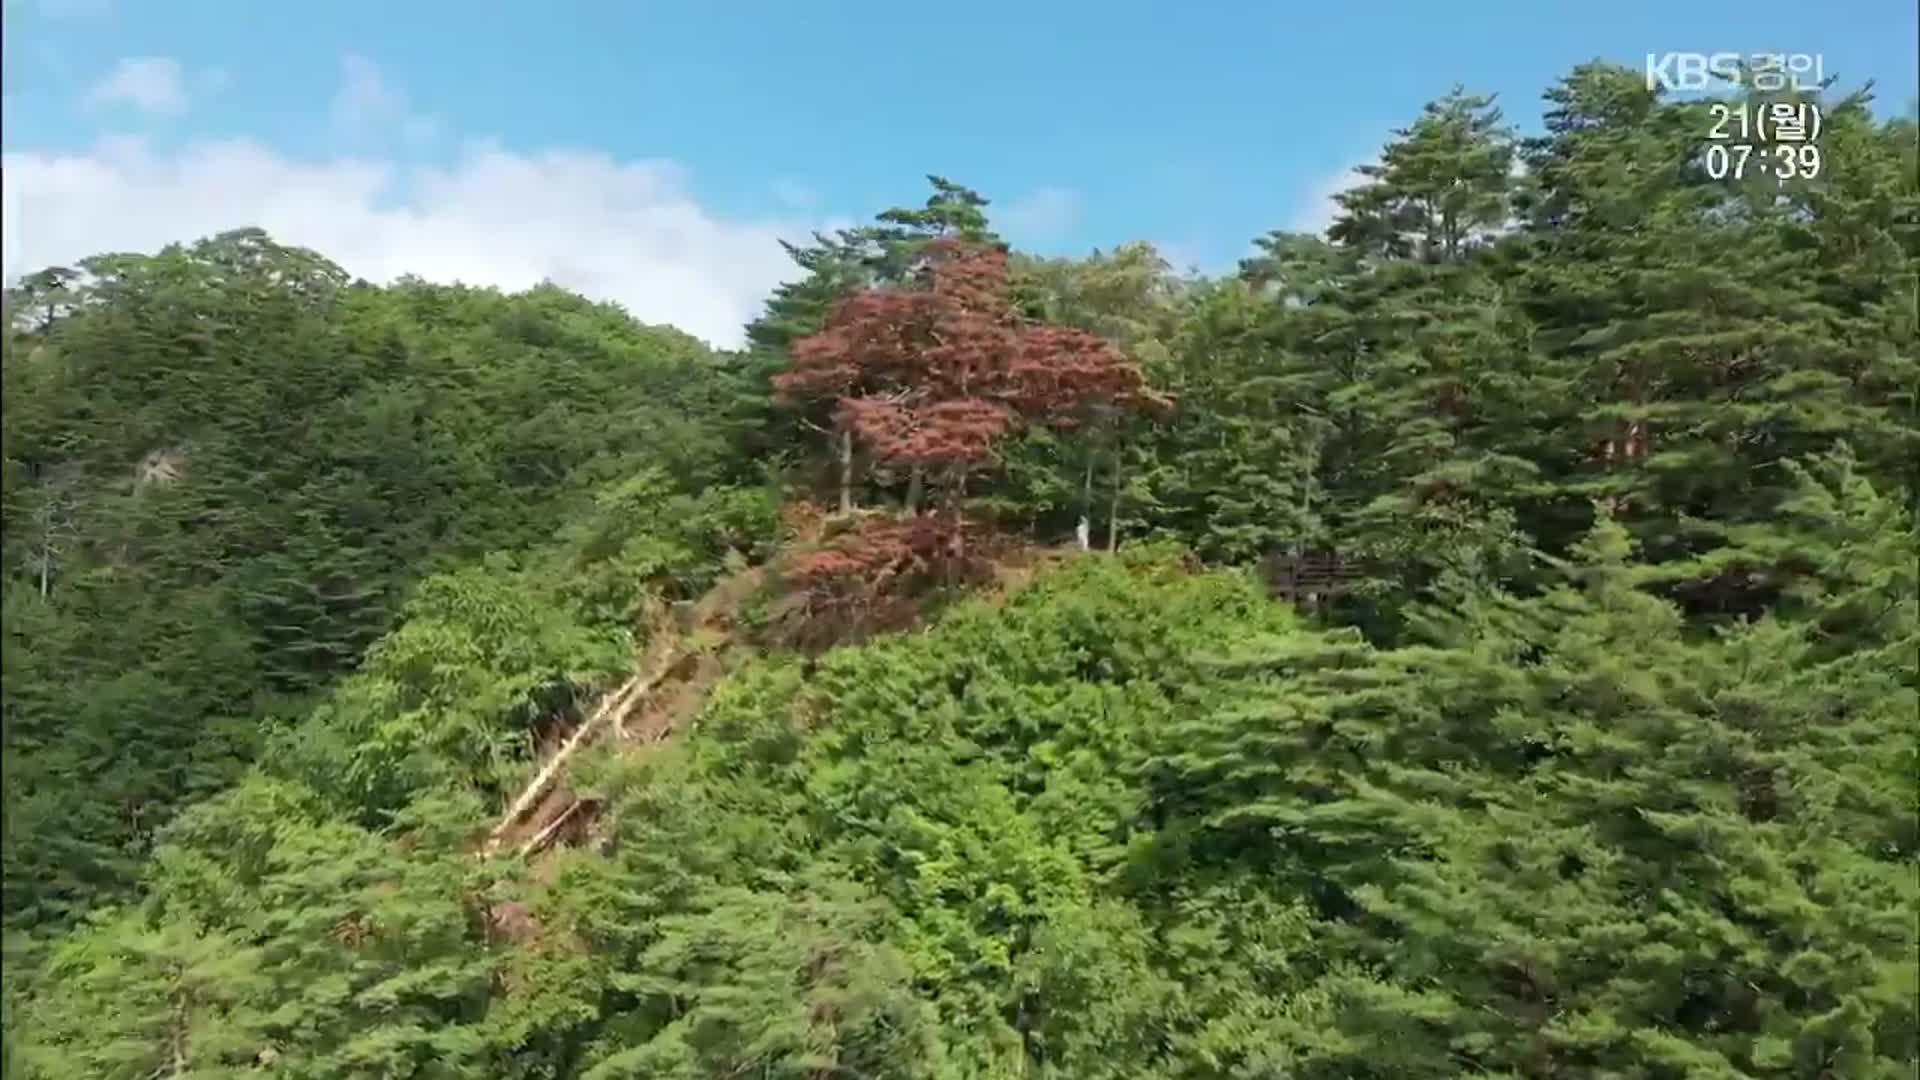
1085	531
545	836
1113	508
180	1021
612	706
959	525
1309	481
916	483
846	470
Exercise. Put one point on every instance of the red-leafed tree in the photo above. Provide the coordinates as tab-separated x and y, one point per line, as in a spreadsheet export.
933	375
921	373
822	369
866	579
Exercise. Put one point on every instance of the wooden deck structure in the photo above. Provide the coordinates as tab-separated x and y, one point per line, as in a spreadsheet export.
1310	577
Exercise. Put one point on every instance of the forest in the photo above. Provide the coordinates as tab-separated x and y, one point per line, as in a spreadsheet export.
1483	640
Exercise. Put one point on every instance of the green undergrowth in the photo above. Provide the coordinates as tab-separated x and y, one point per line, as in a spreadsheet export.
1130	819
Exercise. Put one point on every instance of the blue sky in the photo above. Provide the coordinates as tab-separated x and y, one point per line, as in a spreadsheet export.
646	151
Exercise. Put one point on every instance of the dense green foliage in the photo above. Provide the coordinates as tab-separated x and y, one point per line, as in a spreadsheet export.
1606	767
226	467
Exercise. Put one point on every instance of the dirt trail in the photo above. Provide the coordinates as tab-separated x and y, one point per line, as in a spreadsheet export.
684	658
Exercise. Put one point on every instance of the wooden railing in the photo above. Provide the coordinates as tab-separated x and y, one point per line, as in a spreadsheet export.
1311	574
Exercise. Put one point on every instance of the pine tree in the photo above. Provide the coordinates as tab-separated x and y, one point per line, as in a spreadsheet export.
1706	372
881	255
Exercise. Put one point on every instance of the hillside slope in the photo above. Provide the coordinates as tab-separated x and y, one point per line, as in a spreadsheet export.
1129	820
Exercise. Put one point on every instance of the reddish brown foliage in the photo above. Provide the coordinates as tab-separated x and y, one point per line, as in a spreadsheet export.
955	432
933	376
936	374
1068	374
866	578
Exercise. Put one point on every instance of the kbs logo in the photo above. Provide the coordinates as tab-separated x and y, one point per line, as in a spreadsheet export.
1676	71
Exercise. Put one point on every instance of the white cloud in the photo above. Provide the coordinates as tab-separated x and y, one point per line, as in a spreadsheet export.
1316	209
1042	212
623	231
151	84
366	109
